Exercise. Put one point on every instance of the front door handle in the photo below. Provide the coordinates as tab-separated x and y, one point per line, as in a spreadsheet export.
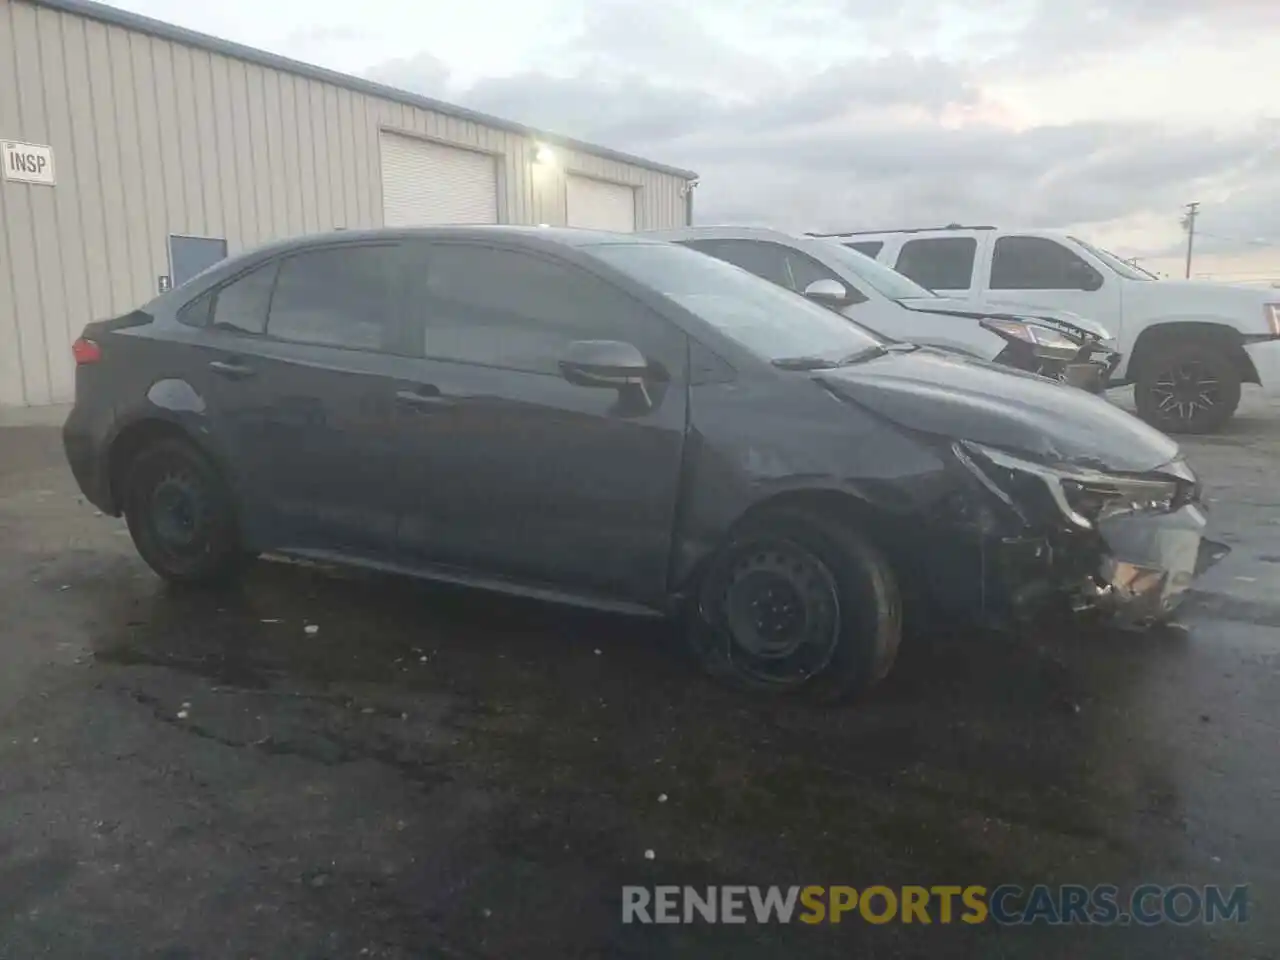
424	398
230	370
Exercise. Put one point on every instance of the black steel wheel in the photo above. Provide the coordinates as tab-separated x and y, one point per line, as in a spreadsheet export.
1188	387
797	603
180	514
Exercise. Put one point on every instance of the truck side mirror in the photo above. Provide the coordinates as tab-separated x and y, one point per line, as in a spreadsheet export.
1085	277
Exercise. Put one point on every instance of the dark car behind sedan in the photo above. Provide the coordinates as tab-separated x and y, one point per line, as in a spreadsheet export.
621	423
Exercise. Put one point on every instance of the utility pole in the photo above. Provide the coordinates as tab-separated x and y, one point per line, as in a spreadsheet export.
1189	224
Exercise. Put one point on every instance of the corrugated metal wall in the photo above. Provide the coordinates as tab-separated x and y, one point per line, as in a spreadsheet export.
153	138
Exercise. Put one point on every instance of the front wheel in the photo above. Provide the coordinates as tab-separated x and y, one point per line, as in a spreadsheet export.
1190	386
180	514
798	603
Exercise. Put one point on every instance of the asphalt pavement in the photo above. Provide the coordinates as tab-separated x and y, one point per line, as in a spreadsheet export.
433	772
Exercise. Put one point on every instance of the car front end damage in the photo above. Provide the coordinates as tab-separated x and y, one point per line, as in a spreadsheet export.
1053	344
1091	369
1076	358
1044	497
1123	545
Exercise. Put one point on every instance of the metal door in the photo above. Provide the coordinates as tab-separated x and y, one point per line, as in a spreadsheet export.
191	255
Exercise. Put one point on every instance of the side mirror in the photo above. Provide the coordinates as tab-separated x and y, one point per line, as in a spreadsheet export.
604	363
1086	277
829	293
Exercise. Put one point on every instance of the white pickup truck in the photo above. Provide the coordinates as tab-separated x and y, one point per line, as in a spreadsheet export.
1188	345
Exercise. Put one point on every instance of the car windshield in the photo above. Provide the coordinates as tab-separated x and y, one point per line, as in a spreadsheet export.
1123	267
885	280
771	322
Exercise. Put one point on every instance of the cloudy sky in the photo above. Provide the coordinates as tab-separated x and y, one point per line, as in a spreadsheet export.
1105	116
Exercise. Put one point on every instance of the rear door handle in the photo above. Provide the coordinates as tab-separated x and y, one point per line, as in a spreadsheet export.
424	398
230	370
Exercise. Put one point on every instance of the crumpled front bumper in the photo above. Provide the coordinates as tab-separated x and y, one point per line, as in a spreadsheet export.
1091	369
1029	551
1150	563
1087	376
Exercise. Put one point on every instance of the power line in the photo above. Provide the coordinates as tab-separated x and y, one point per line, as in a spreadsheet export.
1259	242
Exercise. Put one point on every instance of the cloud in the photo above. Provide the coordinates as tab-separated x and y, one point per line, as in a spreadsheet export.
877	138
319	34
421	73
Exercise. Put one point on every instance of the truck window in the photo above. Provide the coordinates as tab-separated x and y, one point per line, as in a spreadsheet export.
868	248
939	263
1038	263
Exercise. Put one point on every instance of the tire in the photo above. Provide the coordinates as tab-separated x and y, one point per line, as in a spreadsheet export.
1166	393
831	619
180	515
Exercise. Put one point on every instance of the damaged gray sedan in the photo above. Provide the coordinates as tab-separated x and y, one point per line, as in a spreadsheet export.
624	424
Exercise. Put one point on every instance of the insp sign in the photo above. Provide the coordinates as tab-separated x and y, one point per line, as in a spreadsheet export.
27	162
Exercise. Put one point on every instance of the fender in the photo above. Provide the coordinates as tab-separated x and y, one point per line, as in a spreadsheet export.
1166	326
722	484
176	407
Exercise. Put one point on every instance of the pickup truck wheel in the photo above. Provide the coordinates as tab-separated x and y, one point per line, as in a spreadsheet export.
1191	386
180	515
798	603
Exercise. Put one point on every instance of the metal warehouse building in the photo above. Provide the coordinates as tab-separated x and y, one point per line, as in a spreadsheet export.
136	153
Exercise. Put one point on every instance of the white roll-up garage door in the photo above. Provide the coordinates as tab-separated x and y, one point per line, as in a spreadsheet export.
425	183
600	205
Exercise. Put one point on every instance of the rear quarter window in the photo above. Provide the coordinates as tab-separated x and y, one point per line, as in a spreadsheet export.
868	248
197	312
241	305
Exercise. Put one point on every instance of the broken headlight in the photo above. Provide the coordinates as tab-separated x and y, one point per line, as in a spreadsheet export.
1045	343
1083	496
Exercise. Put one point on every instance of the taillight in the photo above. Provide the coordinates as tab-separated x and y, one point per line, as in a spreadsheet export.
86	351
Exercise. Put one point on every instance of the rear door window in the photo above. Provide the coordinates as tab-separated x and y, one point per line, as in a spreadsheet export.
340	296
939	263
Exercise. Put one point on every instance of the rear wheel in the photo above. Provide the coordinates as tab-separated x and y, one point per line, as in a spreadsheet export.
796	603
1188	386
180	514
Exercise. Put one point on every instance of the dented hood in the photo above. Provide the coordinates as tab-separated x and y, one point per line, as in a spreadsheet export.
964	399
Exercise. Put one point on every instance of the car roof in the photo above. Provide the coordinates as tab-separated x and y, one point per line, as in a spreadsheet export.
949	228
953	230
720	232
811	245
547	239
535	235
